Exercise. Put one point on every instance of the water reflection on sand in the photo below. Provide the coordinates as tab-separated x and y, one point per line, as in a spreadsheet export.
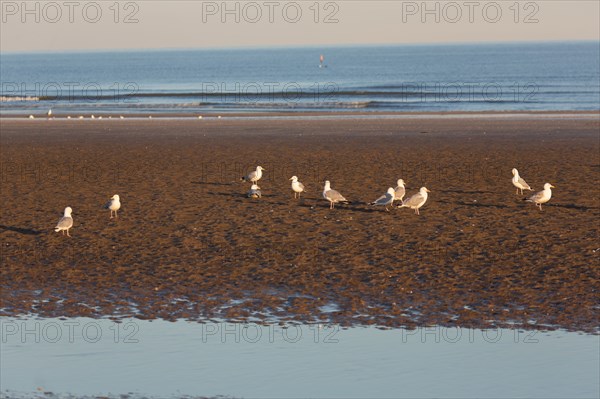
158	358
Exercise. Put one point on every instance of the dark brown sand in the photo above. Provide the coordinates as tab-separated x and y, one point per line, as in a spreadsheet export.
188	244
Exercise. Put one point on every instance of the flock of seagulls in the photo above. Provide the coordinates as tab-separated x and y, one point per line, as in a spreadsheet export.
539	198
334	197
415	202
66	222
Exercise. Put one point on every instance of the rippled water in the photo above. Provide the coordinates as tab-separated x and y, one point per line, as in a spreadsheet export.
158	358
476	77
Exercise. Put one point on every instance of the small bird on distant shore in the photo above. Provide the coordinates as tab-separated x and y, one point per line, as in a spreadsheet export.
416	201
400	190
333	196
65	222
386	199
49	113
297	187
541	197
114	204
254	192
255	176
519	183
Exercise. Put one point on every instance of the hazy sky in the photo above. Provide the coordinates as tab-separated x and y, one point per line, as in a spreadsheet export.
106	24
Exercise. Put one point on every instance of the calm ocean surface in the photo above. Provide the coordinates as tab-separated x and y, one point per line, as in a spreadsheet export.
476	77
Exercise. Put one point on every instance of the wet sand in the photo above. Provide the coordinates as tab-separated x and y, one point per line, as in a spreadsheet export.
188	244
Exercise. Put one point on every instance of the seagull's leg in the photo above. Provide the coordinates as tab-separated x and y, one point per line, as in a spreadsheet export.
68	235
116	216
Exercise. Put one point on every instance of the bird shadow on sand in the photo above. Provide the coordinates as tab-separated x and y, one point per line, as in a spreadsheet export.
469	192
20	230
230	195
481	205
208	183
572	206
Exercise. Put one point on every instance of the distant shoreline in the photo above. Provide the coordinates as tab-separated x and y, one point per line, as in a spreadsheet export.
567	114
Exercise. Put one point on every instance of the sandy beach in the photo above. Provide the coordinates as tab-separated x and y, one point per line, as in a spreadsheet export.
189	244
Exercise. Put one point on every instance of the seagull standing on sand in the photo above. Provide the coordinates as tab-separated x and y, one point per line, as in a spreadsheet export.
386	199
333	196
114	204
255	176
519	183
297	187
49	113
416	201
541	197
400	190
254	192
65	222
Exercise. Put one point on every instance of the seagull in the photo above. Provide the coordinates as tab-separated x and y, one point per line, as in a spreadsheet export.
255	176
297	187
519	183
65	222
541	197
333	196
416	201
254	192
386	199
49	113
114	204
399	191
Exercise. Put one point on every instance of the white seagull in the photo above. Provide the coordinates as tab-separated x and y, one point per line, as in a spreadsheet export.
254	192
255	176
114	204
297	187
416	201
65	222
386	199
519	183
541	197
333	196
400	190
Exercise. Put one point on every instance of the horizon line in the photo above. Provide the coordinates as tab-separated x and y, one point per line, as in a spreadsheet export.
296	46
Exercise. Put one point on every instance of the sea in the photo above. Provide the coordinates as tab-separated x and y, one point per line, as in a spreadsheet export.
543	76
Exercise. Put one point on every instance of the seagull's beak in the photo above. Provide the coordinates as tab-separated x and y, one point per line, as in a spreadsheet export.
428	190
552	186
290	178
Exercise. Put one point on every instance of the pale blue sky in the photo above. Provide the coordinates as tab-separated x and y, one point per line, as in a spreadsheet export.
88	25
